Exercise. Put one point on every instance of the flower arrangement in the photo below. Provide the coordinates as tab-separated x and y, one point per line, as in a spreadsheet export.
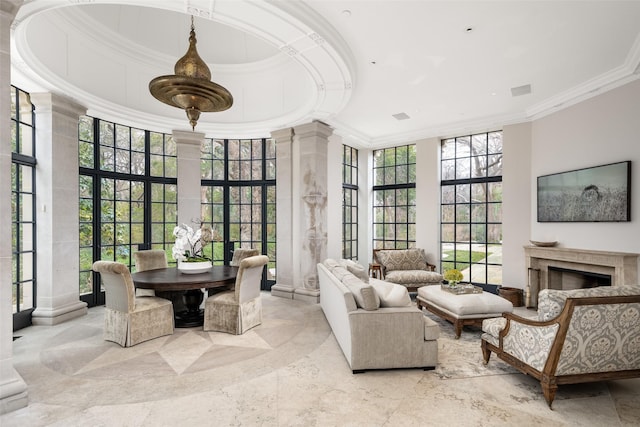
189	244
453	276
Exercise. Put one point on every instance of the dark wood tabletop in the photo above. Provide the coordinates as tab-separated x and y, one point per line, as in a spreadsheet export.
171	279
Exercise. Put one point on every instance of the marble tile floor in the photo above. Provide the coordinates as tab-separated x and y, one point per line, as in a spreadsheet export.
289	371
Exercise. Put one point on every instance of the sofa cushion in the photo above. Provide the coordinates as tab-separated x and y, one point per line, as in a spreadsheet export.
402	259
551	301
390	294
412	277
364	294
356	269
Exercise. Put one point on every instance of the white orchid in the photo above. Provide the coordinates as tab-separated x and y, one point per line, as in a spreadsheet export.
189	243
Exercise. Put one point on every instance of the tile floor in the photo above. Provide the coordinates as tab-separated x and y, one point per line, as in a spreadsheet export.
289	371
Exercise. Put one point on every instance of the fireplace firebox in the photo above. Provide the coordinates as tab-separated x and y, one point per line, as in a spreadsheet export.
566	268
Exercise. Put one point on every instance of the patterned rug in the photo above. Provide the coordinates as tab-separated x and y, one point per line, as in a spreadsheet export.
462	358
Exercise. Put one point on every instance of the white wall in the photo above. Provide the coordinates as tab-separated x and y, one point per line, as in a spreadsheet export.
428	198
516	202
604	129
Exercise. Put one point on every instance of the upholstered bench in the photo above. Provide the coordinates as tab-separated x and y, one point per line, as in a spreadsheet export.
461	310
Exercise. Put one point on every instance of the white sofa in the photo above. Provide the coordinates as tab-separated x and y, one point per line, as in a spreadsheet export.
375	337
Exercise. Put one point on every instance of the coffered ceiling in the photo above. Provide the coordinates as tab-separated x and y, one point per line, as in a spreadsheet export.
379	72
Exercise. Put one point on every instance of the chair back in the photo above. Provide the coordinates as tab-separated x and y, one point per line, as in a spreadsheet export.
242	253
249	278
118	285
151	259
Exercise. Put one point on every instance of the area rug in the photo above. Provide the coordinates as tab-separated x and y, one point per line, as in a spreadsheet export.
462	358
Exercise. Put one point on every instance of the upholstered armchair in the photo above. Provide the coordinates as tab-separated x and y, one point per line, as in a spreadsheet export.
242	253
407	267
129	320
149	260
580	335
238	310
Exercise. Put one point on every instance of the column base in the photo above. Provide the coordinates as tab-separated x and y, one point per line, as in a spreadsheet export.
282	291
13	392
49	316
307	295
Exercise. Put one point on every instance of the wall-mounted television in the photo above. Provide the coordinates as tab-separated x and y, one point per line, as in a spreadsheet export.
594	194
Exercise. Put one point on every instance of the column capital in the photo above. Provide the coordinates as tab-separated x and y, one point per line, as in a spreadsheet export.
313	129
47	102
282	135
188	137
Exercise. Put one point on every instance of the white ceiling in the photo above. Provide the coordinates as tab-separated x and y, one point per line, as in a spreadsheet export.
450	65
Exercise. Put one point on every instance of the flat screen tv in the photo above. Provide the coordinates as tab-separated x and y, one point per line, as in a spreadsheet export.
595	194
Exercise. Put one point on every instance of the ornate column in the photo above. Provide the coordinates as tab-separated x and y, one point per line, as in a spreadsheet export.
188	146
13	390
57	209
301	203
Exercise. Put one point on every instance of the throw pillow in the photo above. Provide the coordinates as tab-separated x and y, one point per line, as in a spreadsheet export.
356	269
364	294
390	294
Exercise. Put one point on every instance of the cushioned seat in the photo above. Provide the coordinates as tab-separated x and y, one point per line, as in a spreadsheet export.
465	309
129	320
406	267
151	259
238	310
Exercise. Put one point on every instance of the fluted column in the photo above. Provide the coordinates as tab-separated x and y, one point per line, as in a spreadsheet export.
13	389
189	146
57	209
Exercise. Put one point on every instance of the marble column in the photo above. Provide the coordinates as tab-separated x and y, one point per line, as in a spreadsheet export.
286	256
13	389
189	147
302	190
57	209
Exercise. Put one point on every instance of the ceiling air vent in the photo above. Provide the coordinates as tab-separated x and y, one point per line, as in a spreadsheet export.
521	90
401	116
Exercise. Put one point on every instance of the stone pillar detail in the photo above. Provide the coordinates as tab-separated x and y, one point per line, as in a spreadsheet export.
302	215
284	205
13	389
189	148
57	209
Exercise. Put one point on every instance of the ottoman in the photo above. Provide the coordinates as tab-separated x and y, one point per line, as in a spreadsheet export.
464	309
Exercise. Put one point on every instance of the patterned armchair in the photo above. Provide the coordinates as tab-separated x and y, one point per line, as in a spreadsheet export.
407	267
580	335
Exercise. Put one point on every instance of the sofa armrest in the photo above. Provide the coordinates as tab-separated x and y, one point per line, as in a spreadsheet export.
387	337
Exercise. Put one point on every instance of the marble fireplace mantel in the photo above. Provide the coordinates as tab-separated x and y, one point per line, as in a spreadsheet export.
621	266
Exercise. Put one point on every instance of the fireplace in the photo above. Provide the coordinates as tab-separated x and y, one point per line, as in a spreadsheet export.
566	279
566	268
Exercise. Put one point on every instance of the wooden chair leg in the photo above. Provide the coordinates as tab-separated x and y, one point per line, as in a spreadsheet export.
486	353
549	391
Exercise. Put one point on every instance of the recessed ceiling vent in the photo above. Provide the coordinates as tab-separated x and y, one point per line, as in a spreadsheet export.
401	116
521	90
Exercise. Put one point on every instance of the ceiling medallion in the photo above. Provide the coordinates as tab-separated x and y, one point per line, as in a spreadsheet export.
191	88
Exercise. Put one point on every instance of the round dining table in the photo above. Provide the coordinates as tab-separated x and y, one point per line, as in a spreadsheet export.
169	280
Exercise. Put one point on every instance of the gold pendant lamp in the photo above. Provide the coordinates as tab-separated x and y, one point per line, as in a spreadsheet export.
191	88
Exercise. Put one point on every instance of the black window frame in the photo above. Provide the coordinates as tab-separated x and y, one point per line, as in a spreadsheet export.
350	209
459	212
394	176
